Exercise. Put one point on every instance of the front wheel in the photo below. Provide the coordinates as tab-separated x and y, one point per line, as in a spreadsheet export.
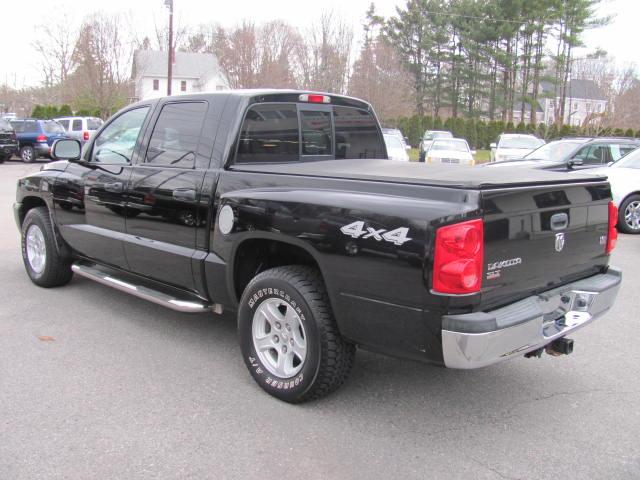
28	154
288	336
44	264
629	215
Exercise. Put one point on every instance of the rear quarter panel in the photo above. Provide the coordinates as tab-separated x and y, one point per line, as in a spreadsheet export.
377	288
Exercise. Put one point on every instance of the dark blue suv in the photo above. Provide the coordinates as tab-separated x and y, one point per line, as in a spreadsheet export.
36	137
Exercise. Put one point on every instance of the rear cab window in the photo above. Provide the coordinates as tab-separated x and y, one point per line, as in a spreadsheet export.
290	132
94	123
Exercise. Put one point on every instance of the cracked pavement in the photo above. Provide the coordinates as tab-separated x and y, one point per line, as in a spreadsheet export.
97	384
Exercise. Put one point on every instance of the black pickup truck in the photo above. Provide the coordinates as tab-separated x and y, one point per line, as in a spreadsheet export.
283	207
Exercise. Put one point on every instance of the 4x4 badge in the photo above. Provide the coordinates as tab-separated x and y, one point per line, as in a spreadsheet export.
559	242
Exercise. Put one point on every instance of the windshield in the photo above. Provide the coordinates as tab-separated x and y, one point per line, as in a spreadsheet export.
520	142
455	145
392	142
557	150
432	135
52	127
631	160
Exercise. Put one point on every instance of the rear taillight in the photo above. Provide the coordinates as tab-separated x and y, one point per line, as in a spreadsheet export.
458	257
612	233
41	138
85	135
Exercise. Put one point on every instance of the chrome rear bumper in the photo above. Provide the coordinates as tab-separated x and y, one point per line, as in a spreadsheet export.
482	338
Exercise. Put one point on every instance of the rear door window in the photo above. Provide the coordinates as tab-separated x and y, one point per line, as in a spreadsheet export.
77	125
52	127
30	127
269	133
18	126
176	134
64	123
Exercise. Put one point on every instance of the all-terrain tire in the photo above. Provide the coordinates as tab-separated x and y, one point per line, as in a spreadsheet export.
329	357
48	270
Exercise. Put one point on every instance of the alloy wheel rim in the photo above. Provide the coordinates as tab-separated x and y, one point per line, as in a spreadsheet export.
279	338
36	249
632	215
26	154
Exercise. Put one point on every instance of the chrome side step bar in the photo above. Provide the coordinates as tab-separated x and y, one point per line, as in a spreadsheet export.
102	276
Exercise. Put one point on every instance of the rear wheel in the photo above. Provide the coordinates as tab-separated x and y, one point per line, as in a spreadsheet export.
629	214
3	158
288	336
44	264
27	154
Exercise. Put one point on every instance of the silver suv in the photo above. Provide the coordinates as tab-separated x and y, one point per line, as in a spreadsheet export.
80	128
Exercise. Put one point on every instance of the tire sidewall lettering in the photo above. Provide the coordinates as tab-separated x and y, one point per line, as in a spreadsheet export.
248	307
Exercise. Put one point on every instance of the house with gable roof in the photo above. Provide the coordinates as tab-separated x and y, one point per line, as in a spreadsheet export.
191	73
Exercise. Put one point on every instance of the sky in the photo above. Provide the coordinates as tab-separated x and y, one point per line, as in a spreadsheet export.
19	66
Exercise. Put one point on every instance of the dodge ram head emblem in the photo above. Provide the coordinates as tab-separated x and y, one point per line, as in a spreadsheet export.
559	242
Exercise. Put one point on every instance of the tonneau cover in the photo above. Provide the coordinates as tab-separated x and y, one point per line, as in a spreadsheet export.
421	174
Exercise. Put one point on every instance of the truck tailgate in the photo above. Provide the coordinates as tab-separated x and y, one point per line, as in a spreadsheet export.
540	237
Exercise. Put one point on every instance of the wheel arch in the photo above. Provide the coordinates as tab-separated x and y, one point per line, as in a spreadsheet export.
29	203
256	254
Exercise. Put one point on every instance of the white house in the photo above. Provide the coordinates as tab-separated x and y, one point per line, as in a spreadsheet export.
191	72
584	100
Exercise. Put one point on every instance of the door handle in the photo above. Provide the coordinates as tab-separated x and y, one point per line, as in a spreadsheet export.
185	194
114	187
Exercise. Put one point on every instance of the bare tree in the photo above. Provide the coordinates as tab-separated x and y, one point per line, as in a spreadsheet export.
324	60
55	43
379	78
103	55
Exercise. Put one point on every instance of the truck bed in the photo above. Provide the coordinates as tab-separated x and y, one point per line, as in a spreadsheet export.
421	174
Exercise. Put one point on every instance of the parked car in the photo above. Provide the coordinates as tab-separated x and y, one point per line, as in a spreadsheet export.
280	206
8	141
624	177
451	151
514	145
574	154
397	133
35	137
396	149
428	137
80	128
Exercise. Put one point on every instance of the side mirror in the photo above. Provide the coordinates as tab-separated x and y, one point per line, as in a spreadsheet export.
473	152
408	147
610	163
66	149
493	145
575	162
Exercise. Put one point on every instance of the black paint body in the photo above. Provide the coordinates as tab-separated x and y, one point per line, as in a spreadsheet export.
380	292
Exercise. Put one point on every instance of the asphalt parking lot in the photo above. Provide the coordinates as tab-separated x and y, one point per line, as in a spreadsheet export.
95	384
